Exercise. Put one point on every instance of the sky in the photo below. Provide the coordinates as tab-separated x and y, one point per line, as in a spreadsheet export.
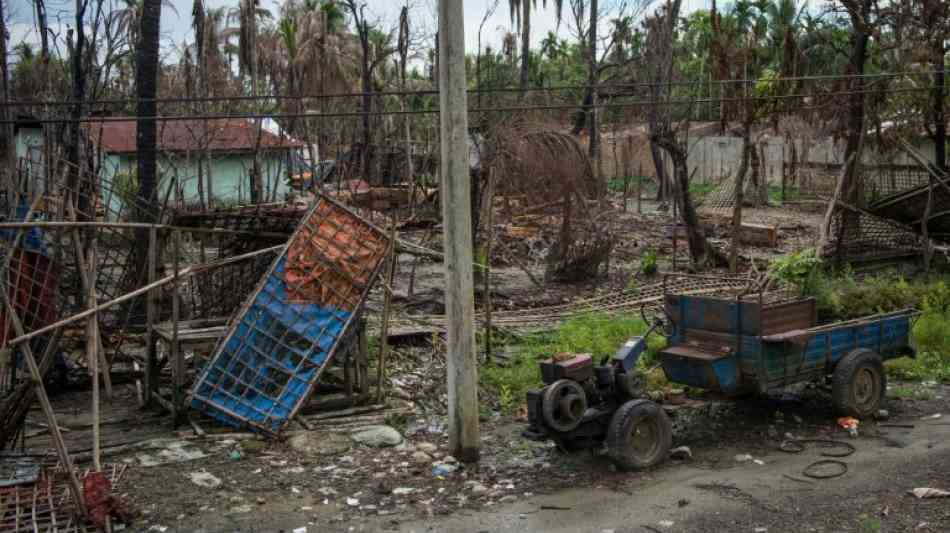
176	18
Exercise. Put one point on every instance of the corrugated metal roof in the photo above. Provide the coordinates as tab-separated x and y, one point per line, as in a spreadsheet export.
216	135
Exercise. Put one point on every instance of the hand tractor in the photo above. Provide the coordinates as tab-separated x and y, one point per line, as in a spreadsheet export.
732	345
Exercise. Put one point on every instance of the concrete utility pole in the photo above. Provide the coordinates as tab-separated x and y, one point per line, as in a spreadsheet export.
457	223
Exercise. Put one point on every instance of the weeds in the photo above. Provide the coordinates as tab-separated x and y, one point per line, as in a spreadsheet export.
648	266
597	334
911	392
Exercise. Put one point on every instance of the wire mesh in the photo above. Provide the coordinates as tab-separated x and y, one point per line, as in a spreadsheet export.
300	315
857	235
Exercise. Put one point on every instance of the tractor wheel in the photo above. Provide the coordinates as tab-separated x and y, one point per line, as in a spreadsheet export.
563	405
858	384
639	435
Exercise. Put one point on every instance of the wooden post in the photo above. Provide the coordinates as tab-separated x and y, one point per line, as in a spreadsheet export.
784	176
177	358
92	352
87	277
490	226
640	189
151	309
925	225
387	307
457	222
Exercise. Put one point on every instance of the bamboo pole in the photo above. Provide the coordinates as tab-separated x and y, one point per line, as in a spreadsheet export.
640	189
87	277
40	392
190	271
178	362
92	352
487	269
151	311
135	225
387	308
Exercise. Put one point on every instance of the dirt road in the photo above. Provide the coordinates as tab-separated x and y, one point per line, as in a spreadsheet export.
871	497
530	487
738	497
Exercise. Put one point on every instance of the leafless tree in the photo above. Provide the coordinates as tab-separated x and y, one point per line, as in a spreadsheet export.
658	58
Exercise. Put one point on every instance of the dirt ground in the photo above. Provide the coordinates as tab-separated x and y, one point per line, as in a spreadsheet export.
525	486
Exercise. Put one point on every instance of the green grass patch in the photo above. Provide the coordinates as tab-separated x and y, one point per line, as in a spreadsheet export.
616	185
699	190
792	194
597	334
911	392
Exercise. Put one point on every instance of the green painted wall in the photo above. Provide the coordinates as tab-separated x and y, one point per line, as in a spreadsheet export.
229	173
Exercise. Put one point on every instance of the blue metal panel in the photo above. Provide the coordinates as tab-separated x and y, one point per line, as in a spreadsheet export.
727	374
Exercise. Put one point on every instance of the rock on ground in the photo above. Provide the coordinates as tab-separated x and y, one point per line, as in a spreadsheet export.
319	444
377	437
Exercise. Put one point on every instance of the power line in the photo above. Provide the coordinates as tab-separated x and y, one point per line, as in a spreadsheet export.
512	109
434	92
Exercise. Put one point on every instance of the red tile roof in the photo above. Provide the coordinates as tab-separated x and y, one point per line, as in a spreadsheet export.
221	135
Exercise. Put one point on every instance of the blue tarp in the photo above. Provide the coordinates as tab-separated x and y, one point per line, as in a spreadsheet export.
271	360
32	239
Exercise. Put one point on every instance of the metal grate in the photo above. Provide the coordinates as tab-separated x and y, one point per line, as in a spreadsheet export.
856	235
290	327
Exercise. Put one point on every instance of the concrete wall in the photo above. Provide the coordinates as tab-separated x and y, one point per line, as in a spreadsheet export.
714	158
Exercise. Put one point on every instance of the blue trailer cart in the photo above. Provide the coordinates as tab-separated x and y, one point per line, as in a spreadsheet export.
731	344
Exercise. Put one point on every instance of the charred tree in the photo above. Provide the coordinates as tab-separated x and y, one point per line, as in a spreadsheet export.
146	89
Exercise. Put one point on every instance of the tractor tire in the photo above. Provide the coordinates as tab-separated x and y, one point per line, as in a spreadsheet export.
639	435
858	384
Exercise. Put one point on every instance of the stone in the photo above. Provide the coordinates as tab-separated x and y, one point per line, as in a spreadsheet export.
319	444
377	437
478	489
427	447
882	414
743	458
421	458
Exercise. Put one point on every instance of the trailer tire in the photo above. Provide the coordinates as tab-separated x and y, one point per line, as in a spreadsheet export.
639	435
858	384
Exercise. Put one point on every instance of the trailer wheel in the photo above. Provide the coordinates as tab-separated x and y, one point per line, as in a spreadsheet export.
639	435
858	384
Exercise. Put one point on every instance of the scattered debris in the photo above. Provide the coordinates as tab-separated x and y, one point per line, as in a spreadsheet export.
204	479
922	493
681	452
849	424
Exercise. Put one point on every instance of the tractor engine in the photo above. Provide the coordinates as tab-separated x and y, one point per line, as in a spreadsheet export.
576	403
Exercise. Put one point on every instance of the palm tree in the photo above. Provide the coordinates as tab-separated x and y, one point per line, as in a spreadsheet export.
521	15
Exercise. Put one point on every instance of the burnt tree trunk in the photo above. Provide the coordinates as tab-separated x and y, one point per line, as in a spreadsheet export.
79	94
700	250
525	45
7	149
939	115
737	207
849	188
146	88
594	147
